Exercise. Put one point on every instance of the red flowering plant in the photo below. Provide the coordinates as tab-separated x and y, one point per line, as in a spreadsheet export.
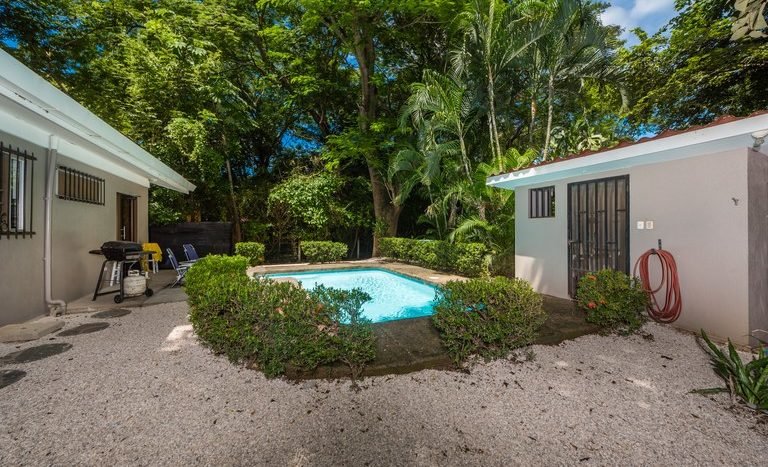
613	300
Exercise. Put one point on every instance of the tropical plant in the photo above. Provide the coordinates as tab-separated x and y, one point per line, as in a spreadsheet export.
747	382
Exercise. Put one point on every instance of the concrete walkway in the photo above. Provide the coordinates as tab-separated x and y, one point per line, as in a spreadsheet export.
159	283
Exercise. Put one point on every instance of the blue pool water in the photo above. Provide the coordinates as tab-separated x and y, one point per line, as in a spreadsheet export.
392	296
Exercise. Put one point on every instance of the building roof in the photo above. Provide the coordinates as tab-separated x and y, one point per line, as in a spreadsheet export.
724	133
34	110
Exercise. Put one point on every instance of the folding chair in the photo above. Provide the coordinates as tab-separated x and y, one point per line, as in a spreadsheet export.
180	268
190	253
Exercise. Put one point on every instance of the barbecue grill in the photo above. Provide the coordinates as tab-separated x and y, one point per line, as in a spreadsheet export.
126	255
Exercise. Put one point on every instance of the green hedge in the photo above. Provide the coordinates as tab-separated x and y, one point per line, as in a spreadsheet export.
273	325
487	316
323	252
469	259
613	300
254	251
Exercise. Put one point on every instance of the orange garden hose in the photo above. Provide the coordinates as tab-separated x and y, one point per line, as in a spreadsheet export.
673	301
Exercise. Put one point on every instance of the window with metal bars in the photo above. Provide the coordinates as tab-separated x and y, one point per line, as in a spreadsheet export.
17	170
74	185
541	202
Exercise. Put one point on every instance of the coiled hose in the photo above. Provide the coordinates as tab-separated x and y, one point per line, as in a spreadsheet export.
673	301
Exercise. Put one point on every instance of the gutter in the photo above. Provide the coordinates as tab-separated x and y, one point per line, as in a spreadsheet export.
55	307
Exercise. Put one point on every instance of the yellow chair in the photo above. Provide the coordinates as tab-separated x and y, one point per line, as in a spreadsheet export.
155	259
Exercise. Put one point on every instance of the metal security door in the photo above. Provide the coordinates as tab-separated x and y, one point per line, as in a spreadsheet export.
598	227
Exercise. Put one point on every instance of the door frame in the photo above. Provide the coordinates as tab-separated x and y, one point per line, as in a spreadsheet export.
571	241
133	213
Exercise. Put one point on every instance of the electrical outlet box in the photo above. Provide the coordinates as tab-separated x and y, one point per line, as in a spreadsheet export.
640	225
648	225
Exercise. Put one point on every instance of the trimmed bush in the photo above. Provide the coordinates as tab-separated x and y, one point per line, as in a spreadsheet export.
254	251
613	300
272	325
487	316
468	259
323	252
357	344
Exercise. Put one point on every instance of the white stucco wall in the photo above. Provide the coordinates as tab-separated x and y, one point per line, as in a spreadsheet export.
76	229
691	203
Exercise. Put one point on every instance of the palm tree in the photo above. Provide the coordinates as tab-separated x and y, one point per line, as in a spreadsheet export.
447	106
573	49
495	36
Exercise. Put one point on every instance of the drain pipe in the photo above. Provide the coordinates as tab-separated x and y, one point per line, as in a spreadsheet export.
55	307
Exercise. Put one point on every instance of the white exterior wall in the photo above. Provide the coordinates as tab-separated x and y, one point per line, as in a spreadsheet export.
691	203
76	228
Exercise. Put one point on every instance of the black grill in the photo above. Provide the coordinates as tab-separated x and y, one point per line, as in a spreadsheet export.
120	251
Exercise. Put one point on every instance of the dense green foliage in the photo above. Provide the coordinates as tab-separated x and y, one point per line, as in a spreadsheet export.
748	382
273	325
487	317
469	259
613	300
356	342
254	251
323	252
346	120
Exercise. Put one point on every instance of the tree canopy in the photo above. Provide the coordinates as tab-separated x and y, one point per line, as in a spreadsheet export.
316	118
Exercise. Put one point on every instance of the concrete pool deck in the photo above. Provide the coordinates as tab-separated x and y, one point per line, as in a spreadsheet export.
408	345
410	270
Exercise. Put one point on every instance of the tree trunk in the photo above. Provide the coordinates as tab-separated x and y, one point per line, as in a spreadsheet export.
365	53
237	235
495	145
533	120
550	106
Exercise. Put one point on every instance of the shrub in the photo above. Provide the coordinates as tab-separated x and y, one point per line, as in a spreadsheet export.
487	316
747	382
613	300
254	251
324	252
469	259
272	325
357	344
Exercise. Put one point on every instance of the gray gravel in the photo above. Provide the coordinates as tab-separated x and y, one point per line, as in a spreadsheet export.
144	392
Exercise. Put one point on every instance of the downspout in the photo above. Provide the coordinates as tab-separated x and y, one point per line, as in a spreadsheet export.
55	307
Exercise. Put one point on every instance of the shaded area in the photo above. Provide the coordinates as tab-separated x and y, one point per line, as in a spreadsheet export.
409	345
35	353
565	322
8	377
84	329
111	313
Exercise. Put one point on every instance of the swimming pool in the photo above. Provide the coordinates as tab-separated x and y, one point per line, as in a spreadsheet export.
392	296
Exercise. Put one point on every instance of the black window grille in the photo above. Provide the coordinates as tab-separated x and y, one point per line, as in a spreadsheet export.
74	185
17	173
541	202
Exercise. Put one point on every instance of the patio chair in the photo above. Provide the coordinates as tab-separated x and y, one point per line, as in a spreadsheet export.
156	258
180	268
190	252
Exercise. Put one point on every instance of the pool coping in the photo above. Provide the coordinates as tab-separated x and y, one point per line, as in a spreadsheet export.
410	271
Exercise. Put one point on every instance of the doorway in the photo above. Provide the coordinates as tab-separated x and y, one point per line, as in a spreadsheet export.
598	227
126	217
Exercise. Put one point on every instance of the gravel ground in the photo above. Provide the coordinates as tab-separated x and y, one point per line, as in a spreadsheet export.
144	392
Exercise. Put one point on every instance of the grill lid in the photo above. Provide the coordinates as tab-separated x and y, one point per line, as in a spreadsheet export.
115	250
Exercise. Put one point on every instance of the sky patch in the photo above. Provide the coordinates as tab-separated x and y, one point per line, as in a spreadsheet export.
649	15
